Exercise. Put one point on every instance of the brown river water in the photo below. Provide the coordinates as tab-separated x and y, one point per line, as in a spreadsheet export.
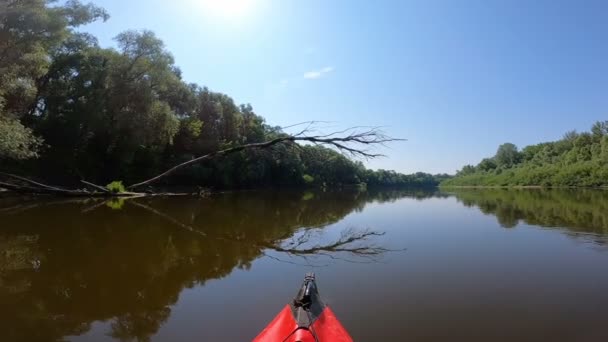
466	265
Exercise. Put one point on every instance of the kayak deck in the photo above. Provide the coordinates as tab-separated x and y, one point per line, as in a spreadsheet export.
307	319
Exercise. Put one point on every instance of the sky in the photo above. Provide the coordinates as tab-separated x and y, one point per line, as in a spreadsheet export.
454	78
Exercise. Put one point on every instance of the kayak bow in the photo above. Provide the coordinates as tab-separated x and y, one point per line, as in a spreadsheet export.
307	319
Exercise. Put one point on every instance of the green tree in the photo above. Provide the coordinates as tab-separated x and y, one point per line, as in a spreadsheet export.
507	155
487	164
30	32
466	170
16	141
599	130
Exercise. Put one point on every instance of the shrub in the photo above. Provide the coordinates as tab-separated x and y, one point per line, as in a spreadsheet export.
116	187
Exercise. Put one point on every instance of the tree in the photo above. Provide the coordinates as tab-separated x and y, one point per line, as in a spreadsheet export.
507	155
466	170
599	130
16	141
570	136
604	151
487	164
30	32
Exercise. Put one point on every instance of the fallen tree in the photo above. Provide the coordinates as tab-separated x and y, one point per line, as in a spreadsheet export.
354	141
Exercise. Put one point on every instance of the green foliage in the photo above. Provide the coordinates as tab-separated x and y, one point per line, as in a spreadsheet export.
507	155
116	187
308	179
308	196
487	164
115	203
16	141
394	179
192	126
579	159
29	33
466	170
599	130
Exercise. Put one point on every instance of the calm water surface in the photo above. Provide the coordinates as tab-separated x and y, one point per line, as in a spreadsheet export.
474	265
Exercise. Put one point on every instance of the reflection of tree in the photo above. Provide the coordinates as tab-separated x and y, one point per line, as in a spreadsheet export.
384	195
577	210
354	242
353	245
508	216
66	265
138	326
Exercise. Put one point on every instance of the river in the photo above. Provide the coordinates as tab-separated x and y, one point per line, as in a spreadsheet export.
465	265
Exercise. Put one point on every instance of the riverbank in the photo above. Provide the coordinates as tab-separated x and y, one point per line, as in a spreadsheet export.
519	187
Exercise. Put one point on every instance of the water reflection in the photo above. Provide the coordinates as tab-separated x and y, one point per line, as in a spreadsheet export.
65	264
584	211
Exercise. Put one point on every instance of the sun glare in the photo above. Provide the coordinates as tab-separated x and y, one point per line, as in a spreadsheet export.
226	9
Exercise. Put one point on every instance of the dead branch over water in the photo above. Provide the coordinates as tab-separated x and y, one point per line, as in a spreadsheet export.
355	142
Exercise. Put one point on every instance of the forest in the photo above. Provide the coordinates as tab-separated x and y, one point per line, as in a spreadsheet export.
73	110
576	160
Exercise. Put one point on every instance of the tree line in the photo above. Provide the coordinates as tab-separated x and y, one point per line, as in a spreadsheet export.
578	159
71	109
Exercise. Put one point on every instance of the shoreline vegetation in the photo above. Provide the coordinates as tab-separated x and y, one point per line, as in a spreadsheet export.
441	186
78	115
578	160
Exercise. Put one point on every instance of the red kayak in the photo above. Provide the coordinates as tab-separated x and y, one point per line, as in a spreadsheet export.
307	319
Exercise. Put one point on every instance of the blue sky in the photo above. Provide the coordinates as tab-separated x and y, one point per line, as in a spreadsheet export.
455	78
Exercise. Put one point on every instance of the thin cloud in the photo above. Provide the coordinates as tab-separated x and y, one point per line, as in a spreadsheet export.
314	74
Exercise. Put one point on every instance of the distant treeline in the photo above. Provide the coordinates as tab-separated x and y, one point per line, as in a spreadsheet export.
395	179
579	159
71	110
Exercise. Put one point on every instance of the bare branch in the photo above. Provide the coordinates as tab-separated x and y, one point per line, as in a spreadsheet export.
345	144
29	181
167	217
48	190
212	155
304	123
24	205
307	264
341	245
93	207
305	130
95	186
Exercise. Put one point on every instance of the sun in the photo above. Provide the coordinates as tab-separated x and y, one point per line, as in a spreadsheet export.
226	9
